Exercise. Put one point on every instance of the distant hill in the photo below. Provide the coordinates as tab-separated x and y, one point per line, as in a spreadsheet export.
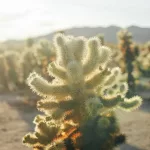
140	35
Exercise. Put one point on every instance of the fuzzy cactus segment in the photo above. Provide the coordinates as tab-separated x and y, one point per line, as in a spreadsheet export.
77	96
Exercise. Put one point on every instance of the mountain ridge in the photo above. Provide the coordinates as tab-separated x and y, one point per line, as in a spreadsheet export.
140	34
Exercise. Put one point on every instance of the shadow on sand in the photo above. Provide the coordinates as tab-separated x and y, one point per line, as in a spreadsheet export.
129	147
145	107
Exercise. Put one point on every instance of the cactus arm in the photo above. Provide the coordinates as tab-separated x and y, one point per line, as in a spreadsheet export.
38	119
63	53
110	80
92	60
131	104
56	71
97	80
123	89
47	104
105	54
101	38
113	77
30	139
79	48
43	88
46	129
111	102
43	139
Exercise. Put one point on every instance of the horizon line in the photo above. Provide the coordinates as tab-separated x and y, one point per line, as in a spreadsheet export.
71	27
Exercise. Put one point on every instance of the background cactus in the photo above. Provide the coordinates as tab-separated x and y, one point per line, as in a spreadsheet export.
143	62
44	53
147	46
125	41
101	37
27	64
9	71
117	59
79	112
29	42
3	71
136	49
12	73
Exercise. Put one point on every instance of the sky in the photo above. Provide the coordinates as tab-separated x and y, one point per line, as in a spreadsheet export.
21	19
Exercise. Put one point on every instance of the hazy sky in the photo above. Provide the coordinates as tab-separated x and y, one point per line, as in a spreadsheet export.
24	18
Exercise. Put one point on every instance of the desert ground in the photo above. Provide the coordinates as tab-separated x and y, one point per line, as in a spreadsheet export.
16	118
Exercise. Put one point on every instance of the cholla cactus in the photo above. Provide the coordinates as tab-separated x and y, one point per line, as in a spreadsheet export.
28	63
117	59
45	53
29	42
125	39
9	71
60	31
44	50
147	46
12	73
79	112
101	37
143	62
136	52
136	49
3	73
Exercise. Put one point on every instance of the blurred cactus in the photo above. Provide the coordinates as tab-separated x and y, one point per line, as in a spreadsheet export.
143	62
3	71
44	50
136	49
12	74
125	41
29	42
16	66
147	46
79	112
60	31
9	71
101	38
117	59
136	52
45	53
27	63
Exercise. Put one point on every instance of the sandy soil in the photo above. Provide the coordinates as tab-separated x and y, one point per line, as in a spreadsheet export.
16	120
